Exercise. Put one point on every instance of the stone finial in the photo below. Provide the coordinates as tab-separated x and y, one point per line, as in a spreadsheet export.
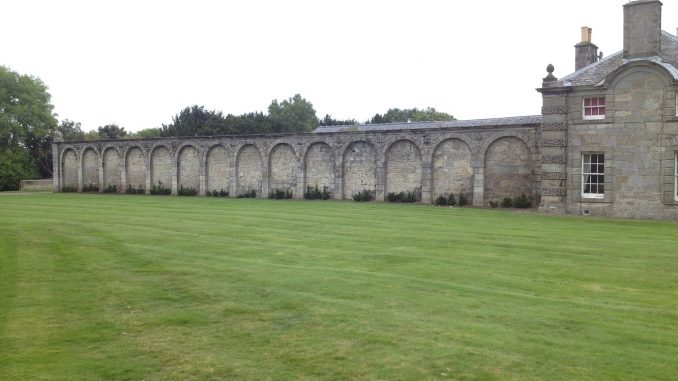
550	78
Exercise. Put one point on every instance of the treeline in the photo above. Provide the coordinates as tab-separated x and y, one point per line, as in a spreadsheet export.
28	125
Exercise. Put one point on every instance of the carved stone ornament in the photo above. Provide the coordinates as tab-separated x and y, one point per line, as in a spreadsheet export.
553	142
553	176
553	159
552	191
554	126
554	109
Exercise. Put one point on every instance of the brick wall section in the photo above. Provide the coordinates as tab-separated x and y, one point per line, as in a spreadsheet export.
319	163
508	169
249	170
452	171
135	168
217	169
111	168
283	168
189	168
359	168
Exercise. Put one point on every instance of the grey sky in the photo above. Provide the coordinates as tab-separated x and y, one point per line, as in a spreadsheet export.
137	63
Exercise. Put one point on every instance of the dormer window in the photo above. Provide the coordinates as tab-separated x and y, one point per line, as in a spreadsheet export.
594	108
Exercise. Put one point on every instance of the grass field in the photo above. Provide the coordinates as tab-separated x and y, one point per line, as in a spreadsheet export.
165	288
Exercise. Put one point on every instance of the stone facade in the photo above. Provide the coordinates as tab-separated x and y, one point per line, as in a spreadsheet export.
447	157
620	111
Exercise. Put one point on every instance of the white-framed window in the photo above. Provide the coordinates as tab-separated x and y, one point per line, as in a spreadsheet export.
593	175
675	176
593	108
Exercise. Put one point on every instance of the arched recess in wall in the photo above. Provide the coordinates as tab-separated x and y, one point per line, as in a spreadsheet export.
452	171
282	168
111	167
249	170
161	167
188	166
403	167
90	167
319	164
508	169
135	168
216	169
69	169
360	169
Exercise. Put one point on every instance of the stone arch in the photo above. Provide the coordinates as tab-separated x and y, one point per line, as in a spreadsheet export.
282	168
111	166
451	168
69	169
161	166
249	169
90	167
217	162
403	167
135	167
319	166
638	94
359	168
188	167
508	169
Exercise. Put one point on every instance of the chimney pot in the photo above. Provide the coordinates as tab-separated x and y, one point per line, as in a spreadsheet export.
586	34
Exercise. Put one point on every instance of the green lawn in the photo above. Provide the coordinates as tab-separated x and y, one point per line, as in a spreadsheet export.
165	288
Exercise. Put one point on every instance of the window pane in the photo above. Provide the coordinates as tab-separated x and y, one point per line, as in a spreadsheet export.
601	101
587	102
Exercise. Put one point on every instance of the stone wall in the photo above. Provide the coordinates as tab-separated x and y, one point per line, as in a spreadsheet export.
90	167
636	138
508	169
431	160
112	168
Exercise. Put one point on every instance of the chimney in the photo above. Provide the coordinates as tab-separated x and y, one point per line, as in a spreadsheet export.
642	28
585	53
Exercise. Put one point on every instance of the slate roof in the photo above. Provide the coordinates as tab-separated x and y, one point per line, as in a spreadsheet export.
515	121
595	73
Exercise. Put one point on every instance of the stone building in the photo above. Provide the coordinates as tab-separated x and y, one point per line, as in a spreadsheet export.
606	144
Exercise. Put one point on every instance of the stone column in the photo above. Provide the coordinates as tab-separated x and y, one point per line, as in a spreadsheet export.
147	171
338	178
265	174
175	186
552	145
426	179
381	180
101	172
123	171
79	157
301	173
479	185
202	178
56	168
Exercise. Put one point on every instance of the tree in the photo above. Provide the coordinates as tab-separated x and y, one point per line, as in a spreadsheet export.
195	121
111	132
146	133
295	114
70	131
27	127
329	121
396	115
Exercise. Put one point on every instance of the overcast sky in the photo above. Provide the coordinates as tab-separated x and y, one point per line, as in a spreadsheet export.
138	63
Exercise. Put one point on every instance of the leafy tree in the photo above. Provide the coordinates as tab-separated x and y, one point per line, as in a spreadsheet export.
195	121
15	165
111	132
146	133
70	131
28	124
295	114
329	121
396	115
